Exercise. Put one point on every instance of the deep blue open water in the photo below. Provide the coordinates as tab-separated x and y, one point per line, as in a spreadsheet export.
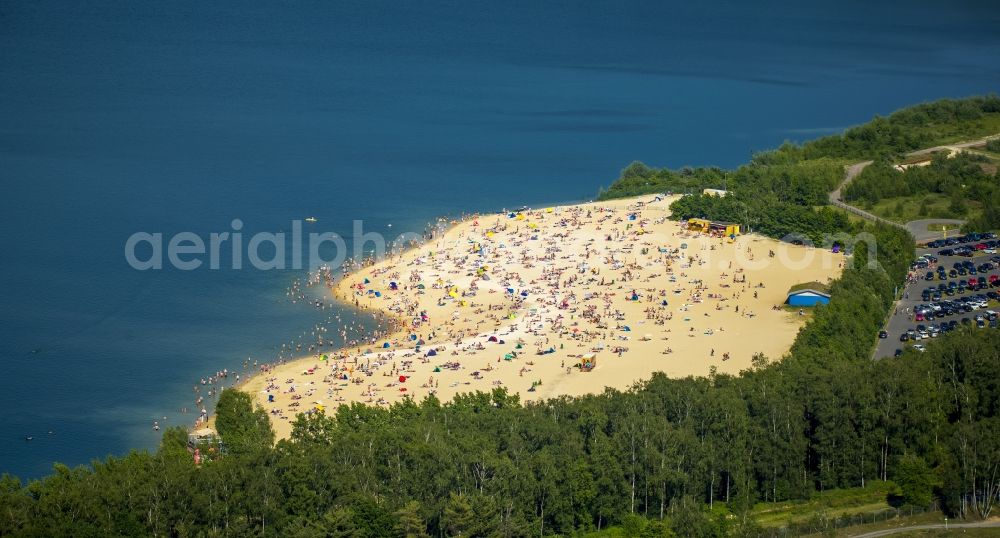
168	117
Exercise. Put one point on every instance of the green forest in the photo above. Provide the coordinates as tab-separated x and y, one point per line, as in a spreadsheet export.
799	177
669	457
968	181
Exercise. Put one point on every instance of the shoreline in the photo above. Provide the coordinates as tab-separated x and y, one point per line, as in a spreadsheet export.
440	304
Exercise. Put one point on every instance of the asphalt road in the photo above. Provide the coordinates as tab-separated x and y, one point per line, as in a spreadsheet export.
918	228
900	321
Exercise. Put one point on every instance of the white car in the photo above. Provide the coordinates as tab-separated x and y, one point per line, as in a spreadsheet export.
919	347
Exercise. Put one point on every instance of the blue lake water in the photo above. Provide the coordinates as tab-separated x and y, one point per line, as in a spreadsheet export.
124	117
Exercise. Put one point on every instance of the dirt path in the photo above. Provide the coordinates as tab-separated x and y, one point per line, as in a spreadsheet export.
917	228
888	532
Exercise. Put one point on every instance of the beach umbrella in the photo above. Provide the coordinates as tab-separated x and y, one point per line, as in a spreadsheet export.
627	328
402	379
385	345
367	281
491	339
432	353
420	286
378	294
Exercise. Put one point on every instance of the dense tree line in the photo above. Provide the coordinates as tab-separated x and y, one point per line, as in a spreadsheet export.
909	129
486	465
962	174
637	179
687	457
769	215
791	166
803	182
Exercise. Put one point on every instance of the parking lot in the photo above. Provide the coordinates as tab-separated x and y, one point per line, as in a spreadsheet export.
937	303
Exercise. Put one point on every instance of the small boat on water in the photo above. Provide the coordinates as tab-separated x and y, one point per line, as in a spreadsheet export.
311	219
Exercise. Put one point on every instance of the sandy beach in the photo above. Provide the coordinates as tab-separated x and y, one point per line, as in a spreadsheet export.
522	300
